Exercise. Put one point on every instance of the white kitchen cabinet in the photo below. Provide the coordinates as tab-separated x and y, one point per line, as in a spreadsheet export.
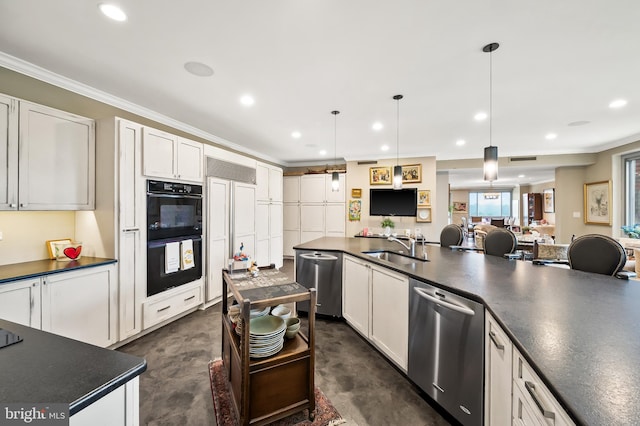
533	403
168	156
269	215
291	227
334	219
244	218
291	189
171	303
269	182
48	158
82	304
119	407
389	323
355	293
20	302
217	236
318	189
498	380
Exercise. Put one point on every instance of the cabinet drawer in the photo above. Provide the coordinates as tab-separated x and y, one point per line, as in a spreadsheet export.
160	309
541	402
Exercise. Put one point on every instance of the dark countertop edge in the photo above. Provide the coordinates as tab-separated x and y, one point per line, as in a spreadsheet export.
568	407
107	388
84	262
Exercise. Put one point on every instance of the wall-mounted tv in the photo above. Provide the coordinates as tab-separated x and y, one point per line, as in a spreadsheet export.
393	202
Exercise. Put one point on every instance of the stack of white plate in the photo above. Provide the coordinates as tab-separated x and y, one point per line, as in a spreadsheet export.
266	336
255	313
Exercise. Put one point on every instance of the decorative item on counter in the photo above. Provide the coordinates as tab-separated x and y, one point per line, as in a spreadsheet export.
253	268
67	250
355	208
387	224
240	255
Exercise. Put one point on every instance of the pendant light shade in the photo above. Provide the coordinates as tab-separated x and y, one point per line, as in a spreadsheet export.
335	177
490	152
397	170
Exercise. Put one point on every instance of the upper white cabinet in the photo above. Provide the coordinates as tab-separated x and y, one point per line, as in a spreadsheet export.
269	183
291	189
168	156
322	211
269	215
317	189
48	157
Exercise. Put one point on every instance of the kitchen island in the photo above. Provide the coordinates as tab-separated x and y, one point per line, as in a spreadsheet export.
578	330
99	385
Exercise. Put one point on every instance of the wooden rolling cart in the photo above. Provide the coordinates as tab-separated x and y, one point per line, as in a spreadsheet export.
267	389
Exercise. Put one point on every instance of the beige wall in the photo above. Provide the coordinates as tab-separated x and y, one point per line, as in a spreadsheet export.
358	177
25	234
459	195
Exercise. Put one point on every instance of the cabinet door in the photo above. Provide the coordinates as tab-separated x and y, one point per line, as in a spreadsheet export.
338	196
275	219
498	358
335	217
244	208
312	218
289	241
355	294
159	153
312	189
276	250
275	184
190	161
262	182
56	160
217	235
262	234
389	324
522	414
20	302
291	217
81	305
8	153
291	189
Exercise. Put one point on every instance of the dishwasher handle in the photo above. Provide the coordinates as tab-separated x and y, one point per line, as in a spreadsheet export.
454	307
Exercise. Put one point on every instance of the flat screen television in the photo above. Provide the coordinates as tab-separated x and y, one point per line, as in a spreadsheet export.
393	202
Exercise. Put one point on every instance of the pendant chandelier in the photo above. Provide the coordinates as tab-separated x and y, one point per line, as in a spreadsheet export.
335	177
490	152
397	170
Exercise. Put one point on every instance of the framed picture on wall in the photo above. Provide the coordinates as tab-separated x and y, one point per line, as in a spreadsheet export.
597	203
379	175
423	214
549	200
412	173
424	197
459	207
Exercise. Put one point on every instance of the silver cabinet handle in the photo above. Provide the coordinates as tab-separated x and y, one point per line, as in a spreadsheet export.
494	339
461	309
130	229
164	309
23	204
189	298
531	388
13	205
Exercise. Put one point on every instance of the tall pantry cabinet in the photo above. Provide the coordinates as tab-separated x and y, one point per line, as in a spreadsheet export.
268	215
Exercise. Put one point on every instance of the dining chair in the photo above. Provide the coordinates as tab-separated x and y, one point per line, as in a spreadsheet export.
451	235
498	222
500	242
599	254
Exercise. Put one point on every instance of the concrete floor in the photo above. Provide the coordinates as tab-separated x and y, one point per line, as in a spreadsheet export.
364	387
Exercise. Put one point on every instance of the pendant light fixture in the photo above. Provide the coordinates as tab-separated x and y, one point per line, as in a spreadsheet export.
490	152
397	170
335	177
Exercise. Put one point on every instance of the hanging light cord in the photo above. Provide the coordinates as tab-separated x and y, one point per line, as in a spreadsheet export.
490	96
335	137
398	132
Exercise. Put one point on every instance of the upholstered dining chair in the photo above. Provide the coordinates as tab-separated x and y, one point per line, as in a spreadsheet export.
500	242
451	235
599	254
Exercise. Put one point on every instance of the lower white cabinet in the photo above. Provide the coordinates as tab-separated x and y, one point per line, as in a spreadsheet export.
498	360
82	304
375	302
170	303
20	302
119	407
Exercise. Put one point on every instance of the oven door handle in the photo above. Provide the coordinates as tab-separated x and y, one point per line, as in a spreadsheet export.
156	195
454	307
161	243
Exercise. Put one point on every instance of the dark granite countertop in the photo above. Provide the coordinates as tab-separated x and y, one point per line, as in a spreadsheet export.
37	268
580	331
47	368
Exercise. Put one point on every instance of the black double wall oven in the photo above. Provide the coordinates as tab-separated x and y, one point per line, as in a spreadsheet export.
174	215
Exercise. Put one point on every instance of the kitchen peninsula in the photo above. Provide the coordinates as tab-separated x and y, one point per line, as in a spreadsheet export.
577	330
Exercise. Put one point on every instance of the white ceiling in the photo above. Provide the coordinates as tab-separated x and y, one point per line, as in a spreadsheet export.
559	62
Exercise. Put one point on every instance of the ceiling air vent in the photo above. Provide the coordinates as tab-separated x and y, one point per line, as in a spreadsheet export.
513	159
361	163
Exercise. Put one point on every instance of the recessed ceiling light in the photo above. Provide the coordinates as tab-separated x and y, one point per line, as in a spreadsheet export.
550	136
323	152
460	142
618	103
112	11
480	116
384	148
296	135
199	69
377	126
520	176
578	123
247	100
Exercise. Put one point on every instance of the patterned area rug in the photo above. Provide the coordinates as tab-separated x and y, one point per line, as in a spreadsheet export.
326	413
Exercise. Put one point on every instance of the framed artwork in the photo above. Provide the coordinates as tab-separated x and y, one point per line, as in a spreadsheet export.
356	193
380	175
424	197
51	249
549	200
597	203
412	173
355	208
423	214
459	207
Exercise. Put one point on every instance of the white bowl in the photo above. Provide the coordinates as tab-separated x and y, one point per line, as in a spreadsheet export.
292	323
281	311
290	334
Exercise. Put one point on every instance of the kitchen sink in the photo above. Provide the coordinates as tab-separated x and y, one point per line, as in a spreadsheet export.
393	257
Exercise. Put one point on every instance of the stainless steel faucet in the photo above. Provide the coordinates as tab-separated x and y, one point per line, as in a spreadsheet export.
412	249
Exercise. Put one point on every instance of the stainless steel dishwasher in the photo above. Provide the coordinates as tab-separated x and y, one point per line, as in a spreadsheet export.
446	350
322	271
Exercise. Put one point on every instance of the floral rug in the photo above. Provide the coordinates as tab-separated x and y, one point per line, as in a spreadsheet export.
326	413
